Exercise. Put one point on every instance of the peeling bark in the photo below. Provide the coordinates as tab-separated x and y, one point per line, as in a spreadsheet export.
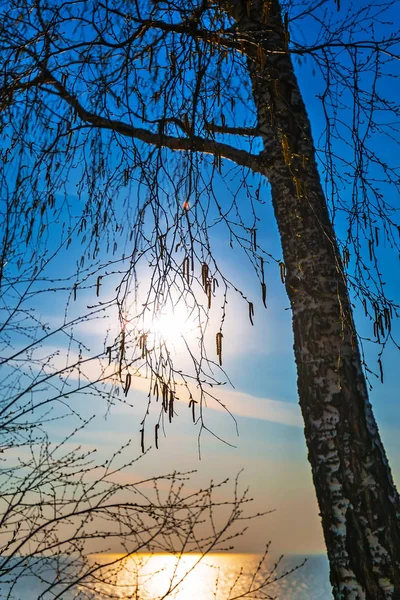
359	504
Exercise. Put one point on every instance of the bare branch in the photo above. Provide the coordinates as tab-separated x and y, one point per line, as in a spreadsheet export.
194	143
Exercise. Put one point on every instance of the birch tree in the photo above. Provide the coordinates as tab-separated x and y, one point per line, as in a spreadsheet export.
150	108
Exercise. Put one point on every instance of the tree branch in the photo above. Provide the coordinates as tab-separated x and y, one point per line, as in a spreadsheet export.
189	28
194	143
253	131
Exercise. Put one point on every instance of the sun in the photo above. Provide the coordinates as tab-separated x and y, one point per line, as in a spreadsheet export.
173	325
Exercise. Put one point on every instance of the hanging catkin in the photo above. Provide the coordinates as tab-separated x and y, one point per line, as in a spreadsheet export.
128	382
171	406
264	294
165	397
251	312
218	340
185	270
208	292
204	276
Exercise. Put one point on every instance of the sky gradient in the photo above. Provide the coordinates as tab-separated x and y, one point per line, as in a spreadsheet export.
264	433
270	447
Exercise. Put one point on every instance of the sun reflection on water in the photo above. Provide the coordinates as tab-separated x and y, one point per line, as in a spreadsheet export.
171	576
159	576
216	577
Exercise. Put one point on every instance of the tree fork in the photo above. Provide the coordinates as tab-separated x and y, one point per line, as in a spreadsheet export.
359	503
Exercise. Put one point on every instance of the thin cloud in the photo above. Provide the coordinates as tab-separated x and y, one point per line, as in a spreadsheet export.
253	407
236	402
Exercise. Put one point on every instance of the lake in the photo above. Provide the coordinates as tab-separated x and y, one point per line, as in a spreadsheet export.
217	577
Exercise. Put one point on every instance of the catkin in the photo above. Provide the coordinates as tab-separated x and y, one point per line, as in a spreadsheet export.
208	292
264	294
218	338
286	150
204	275
251	312
165	397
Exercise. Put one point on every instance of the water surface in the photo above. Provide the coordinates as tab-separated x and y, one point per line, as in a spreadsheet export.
216	577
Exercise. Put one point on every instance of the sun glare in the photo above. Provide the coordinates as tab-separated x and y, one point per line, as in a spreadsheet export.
159	574
172	325
182	577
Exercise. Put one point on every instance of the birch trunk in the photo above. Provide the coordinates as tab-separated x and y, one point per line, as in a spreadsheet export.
359	504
